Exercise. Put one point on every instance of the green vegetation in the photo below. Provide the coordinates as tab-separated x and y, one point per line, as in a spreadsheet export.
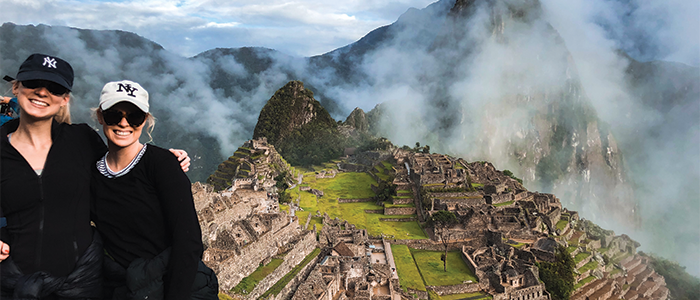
409	276
682	285
318	221
349	185
430	267
279	285
592	230
558	277
404	192
581	256
503	204
467	296
223	296
475	185
516	244
248	284
284	207
589	266
583	282
386	191
389	205
510	174
562	224
281	120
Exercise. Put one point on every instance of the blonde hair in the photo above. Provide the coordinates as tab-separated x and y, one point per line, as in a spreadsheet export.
63	115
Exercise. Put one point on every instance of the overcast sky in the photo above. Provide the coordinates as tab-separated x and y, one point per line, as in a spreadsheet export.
189	27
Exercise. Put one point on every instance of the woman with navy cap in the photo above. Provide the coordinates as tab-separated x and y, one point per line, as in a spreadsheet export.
45	190
144	208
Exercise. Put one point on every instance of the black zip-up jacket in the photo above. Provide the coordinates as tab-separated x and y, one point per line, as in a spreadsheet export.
48	216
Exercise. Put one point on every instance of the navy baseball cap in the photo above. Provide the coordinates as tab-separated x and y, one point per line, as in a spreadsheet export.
46	67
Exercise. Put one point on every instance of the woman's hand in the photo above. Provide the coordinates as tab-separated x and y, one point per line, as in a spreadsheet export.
183	158
4	251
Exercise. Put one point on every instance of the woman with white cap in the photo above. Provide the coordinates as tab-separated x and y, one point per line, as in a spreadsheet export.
144	209
45	190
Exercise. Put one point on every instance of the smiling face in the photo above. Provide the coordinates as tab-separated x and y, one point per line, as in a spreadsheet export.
38	103
122	134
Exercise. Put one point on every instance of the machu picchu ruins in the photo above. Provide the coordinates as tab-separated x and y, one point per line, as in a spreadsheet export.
502	232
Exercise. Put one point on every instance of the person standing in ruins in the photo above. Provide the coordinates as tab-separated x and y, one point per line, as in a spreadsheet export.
144	208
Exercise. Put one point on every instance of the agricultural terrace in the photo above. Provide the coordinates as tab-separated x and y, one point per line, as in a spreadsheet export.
350	185
409	277
249	283
431	268
420	268
279	285
383	170
467	296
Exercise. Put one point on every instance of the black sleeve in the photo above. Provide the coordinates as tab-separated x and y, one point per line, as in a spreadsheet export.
175	195
97	145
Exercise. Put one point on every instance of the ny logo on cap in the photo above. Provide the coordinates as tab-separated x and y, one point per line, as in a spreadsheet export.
49	62
127	88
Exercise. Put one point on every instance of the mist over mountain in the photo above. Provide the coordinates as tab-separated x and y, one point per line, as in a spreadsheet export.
511	82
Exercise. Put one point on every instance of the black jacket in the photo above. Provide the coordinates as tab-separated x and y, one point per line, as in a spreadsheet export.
144	279
85	282
48	216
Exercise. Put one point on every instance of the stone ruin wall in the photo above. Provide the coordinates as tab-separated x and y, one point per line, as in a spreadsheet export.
552	217
288	291
496	199
244	261
536	292
456	289
401	200
399	211
300	250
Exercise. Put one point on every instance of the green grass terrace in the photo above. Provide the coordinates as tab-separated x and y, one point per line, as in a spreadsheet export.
503	204
349	185
467	296
581	256
562	224
431	268
589	266
583	282
409	277
248	284
279	285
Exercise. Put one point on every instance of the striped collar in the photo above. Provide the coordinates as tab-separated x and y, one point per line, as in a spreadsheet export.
107	172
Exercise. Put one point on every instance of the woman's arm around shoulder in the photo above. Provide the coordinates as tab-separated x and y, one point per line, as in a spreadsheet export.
175	196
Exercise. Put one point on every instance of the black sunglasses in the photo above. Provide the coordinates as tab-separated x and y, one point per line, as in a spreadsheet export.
52	87
113	117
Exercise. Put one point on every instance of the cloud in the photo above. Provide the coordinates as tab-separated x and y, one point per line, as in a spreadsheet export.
302	28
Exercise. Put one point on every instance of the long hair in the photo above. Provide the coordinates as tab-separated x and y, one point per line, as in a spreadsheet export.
63	115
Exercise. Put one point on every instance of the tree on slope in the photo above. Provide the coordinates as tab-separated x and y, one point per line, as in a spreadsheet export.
442	220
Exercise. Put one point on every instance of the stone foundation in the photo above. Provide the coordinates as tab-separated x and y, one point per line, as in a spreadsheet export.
341	200
301	249
399	211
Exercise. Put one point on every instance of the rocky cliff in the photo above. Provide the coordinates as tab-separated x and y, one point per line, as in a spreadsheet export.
508	90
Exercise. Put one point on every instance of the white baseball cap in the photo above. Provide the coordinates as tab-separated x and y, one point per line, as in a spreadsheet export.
125	90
